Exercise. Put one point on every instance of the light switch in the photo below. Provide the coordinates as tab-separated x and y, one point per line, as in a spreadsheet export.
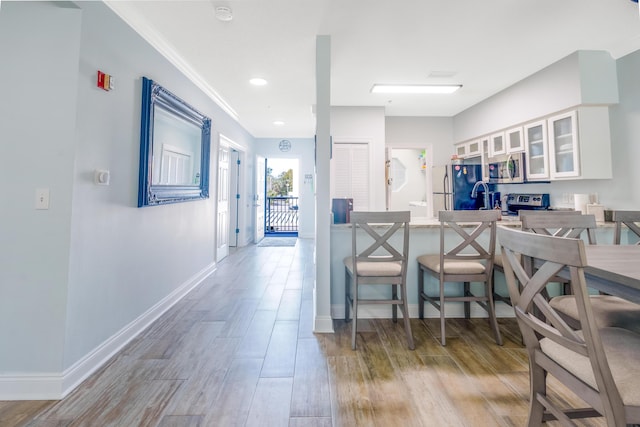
42	198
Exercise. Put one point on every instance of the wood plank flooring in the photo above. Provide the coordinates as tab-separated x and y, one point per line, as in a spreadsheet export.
240	351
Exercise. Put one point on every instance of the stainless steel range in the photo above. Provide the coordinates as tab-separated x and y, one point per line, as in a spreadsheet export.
527	201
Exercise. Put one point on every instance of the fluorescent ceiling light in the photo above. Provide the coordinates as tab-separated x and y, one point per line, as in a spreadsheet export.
278	123
380	88
257	81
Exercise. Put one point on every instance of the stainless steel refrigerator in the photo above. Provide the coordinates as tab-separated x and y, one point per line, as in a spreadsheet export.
452	186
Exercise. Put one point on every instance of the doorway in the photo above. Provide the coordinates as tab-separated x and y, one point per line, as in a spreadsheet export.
282	193
230	222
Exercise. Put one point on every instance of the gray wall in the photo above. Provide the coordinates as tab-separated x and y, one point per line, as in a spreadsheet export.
73	278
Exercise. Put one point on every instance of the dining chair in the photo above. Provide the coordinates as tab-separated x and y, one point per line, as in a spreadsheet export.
570	224
379	256
599	365
629	218
497	261
467	256
608	310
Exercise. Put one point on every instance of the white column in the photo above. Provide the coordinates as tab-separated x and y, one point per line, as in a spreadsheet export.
322	290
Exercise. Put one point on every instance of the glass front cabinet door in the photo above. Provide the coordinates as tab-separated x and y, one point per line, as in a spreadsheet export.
537	158
563	145
515	142
497	144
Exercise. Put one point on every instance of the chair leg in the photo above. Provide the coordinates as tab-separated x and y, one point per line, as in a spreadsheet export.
354	313
538	386
347	294
467	304
491	308
394	307
420	292
443	339
405	315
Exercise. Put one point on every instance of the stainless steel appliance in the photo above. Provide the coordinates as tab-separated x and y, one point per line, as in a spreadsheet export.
452	187
528	201
506	169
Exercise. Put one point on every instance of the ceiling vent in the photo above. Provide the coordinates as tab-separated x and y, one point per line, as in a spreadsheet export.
223	13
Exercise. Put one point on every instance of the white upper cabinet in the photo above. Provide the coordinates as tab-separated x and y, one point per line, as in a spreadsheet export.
536	148
563	146
474	148
580	144
484	142
497	144
469	149
515	141
574	144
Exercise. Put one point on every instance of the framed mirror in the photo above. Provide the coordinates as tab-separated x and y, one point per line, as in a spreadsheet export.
175	144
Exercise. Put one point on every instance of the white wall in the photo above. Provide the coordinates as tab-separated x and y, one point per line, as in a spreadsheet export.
79	279
39	47
623	192
422	132
302	149
584	77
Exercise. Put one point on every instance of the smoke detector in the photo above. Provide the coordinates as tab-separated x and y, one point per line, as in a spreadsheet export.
223	13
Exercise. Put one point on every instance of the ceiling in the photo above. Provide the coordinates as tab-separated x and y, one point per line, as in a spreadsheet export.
484	45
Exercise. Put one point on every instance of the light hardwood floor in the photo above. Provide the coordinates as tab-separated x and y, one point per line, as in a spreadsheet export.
239	351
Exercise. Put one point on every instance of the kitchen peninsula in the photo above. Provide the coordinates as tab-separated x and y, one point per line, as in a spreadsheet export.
424	238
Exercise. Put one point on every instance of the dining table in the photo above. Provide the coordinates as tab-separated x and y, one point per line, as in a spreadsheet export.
614	270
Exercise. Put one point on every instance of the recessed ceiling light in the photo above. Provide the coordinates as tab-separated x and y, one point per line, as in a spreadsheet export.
383	88
257	81
278	123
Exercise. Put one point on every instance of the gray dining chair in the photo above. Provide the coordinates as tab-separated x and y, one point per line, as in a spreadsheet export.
379	256
608	310
497	261
629	218
465	257
599	365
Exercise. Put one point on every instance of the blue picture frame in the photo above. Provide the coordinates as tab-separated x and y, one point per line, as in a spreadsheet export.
175	144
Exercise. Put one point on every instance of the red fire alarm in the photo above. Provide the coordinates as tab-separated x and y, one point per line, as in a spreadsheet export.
105	81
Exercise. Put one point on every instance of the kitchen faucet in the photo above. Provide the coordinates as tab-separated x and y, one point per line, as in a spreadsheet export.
474	193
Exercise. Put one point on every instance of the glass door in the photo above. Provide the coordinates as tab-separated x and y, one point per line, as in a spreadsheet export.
563	145
535	137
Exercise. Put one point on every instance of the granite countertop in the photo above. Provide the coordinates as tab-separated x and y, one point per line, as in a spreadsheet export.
507	220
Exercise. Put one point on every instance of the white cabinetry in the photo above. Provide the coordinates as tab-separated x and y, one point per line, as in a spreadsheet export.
580	144
515	142
484	142
575	144
474	148
469	149
563	145
497	144
536	149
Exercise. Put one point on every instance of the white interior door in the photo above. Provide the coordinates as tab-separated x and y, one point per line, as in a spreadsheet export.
223	202
259	198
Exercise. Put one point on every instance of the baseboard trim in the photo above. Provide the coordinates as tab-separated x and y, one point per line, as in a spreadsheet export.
323	325
55	386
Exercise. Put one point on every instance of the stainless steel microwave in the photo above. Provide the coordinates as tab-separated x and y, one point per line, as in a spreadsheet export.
506	169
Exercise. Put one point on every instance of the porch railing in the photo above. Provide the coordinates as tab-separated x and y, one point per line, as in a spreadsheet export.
281	215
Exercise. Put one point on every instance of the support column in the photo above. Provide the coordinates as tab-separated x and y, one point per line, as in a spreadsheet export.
322	289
